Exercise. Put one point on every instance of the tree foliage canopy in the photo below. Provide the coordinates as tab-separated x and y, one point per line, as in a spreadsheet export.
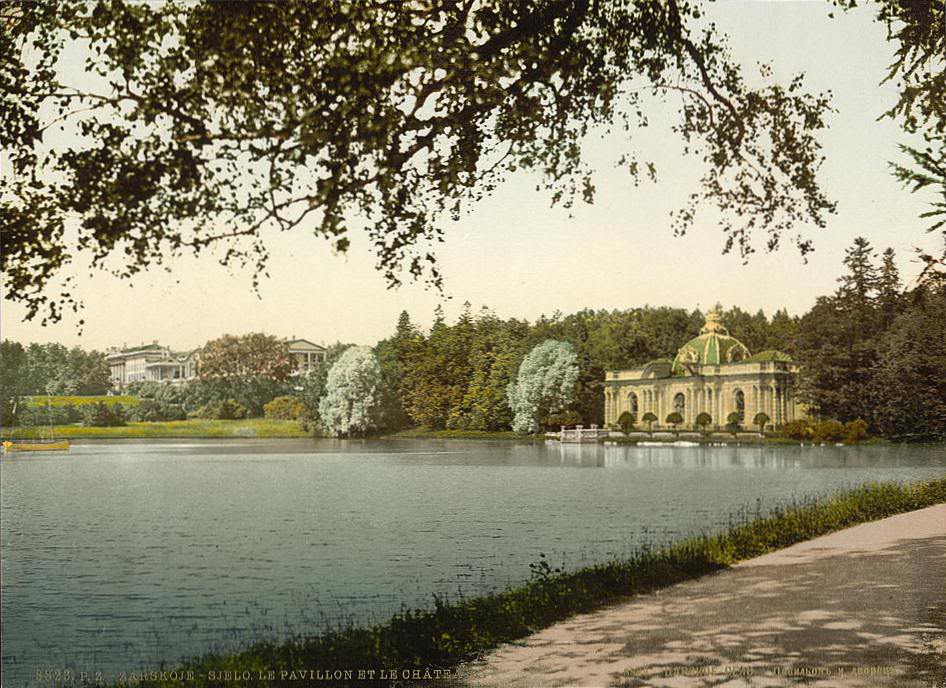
51	369
352	400
874	353
250	355
217	123
545	383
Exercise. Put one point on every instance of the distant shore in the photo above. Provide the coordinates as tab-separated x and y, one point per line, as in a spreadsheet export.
274	429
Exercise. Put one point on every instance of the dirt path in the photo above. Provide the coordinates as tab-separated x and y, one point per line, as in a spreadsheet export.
862	607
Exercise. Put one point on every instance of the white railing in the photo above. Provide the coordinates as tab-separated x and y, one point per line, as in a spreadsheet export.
582	434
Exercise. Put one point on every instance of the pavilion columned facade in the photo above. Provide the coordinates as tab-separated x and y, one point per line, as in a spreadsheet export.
714	374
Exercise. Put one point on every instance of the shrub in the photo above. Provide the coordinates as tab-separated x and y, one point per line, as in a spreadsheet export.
798	430
734	422
829	431
285	408
674	419
33	416
650	419
146	389
626	422
227	409
150	411
102	415
761	419
147	411
174	412
855	430
702	420
554	421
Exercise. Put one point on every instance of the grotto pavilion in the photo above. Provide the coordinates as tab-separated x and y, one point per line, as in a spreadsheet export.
713	373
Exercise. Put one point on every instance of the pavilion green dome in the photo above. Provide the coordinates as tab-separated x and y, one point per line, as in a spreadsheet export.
714	346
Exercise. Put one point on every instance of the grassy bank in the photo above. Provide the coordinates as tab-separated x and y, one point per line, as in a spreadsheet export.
58	401
451	633
193	428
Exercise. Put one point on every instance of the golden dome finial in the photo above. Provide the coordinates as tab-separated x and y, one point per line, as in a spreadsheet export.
713	321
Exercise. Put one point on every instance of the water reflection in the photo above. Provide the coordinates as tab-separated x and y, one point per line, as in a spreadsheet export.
728	456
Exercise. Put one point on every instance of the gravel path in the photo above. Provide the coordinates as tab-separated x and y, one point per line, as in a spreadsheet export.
864	606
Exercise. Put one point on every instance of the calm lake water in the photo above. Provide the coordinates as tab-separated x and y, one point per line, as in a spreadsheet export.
126	556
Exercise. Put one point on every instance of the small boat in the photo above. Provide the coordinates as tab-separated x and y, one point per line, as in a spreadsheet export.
25	445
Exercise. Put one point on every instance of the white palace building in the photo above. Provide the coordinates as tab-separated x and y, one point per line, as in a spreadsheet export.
713	373
156	363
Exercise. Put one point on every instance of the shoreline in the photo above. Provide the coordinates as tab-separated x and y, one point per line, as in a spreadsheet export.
457	632
267	428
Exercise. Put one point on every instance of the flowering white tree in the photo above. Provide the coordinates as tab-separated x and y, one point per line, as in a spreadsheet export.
352	398
545	384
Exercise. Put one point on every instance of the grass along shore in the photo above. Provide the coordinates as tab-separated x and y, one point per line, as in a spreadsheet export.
454	632
58	401
193	428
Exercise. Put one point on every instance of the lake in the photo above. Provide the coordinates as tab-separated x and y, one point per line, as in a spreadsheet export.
126	556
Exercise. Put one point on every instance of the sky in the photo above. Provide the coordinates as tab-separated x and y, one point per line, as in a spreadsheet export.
522	258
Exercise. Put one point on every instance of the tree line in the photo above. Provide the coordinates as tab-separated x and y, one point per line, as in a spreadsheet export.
38	369
873	350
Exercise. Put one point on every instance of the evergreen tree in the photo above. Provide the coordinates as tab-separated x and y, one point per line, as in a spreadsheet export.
836	341
889	288
393	354
908	391
781	332
858	288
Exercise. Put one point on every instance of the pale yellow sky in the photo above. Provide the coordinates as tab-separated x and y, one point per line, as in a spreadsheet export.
517	255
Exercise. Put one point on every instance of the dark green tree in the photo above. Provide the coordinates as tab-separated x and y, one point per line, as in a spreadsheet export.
392	354
836	341
908	390
751	330
781	332
14	369
889	288
860	283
